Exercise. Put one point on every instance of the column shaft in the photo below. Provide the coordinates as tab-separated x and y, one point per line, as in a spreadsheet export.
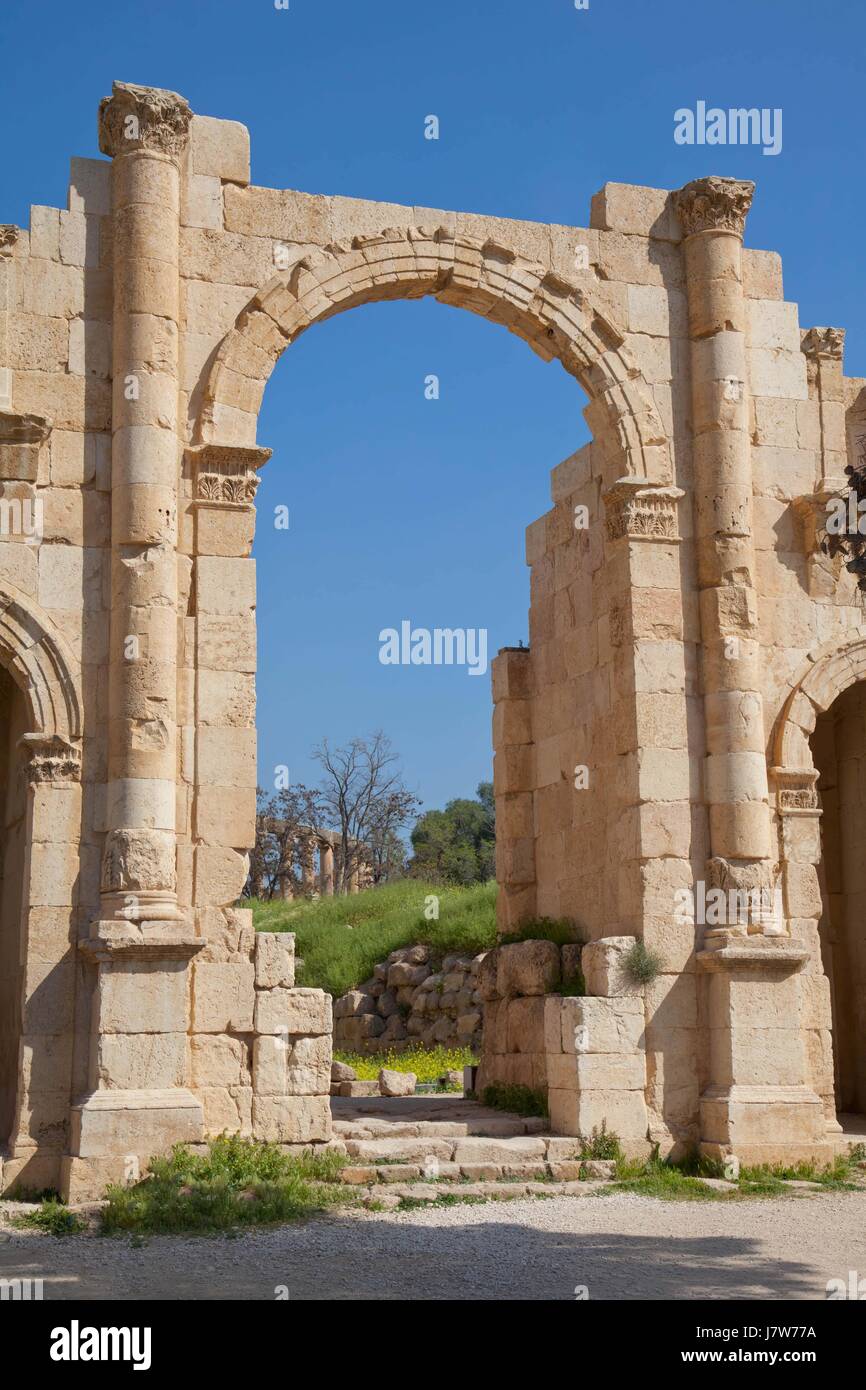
713	214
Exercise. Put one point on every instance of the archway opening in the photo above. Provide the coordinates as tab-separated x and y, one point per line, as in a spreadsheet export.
839	751
407	507
13	822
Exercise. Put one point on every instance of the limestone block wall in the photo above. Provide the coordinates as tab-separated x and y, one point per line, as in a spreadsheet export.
586	1053
260	1049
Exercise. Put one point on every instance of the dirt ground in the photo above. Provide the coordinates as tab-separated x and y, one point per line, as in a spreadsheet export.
617	1247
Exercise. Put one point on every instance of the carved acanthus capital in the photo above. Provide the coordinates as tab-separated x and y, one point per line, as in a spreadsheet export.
227	475
754	898
714	204
818	343
143	118
640	511
51	760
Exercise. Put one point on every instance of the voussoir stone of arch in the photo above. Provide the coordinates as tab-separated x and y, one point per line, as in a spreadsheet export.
554	316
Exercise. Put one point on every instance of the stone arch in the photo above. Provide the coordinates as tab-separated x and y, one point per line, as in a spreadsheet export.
555	317
830	671
42	665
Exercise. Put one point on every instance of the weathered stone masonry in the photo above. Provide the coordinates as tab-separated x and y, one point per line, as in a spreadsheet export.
690	647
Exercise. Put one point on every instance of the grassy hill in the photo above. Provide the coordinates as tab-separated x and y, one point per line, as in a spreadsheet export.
381	919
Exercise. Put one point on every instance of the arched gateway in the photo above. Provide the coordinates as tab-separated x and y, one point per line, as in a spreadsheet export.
677	594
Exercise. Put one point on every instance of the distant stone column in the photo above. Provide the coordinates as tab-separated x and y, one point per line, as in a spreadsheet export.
326	868
713	213
514	787
307	857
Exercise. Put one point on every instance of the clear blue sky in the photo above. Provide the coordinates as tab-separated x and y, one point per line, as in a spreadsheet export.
403	507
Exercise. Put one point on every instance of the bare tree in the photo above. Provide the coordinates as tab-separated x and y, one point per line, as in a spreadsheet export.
364	798
283	824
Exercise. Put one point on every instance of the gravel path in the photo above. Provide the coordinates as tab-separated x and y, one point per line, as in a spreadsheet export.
620	1247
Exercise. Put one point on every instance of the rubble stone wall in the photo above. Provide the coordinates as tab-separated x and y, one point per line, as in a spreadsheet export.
413	999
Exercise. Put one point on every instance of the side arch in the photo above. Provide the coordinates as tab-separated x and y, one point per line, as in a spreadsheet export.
42	665
555	317
830	671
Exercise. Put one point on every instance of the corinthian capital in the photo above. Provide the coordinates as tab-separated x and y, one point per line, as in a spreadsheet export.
714	204
143	118
823	342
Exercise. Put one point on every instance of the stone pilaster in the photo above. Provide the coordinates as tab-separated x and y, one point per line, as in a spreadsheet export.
713	212
823	349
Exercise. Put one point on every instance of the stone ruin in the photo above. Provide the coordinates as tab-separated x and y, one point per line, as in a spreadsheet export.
413	999
689	713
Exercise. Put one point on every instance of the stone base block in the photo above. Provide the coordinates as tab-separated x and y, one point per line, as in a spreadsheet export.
623	1113
134	1125
292	1119
764	1124
31	1170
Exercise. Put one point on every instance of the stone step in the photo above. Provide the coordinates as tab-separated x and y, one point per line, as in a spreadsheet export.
436	1129
392	1196
392	1171
463	1149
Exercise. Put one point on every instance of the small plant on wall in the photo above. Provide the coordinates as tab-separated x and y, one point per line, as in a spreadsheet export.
643	965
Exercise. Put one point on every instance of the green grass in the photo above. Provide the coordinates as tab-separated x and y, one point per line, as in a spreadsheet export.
602	1145
685	1180
428	1063
519	1100
52	1217
383	919
559	930
238	1182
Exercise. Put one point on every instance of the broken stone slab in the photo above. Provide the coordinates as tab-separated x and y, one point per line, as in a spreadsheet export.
359	1088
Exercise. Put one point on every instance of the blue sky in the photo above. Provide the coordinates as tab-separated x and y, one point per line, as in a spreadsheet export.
403	507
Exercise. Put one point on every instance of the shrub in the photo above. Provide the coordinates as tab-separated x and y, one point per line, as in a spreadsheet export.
52	1217
601	1144
520	1100
642	964
574	986
559	930
238	1182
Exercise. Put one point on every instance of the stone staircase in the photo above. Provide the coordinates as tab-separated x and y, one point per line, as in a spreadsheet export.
421	1148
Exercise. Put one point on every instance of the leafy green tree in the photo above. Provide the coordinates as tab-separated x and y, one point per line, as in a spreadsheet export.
457	845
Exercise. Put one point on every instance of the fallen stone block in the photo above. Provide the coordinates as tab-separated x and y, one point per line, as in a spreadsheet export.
397	1083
